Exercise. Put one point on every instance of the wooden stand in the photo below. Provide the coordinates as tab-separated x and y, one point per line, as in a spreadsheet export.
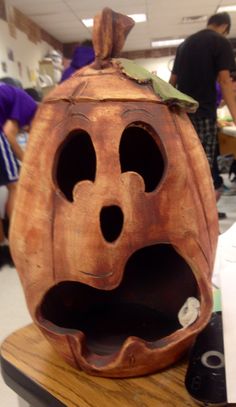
31	367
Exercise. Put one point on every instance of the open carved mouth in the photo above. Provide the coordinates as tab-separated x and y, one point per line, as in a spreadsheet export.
157	282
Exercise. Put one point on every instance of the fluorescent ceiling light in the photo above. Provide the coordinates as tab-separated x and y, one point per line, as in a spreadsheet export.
138	18
226	8
167	43
88	22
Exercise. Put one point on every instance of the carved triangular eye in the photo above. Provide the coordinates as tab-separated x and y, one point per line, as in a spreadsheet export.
76	161
140	153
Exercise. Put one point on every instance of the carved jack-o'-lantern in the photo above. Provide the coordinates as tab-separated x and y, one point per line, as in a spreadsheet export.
115	225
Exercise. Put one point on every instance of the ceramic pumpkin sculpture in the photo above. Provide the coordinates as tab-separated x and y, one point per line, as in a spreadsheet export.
115	225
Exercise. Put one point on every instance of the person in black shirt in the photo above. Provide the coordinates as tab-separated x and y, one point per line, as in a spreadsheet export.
203	59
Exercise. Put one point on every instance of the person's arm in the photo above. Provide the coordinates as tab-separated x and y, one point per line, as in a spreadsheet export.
227	92
173	79
175	70
11	129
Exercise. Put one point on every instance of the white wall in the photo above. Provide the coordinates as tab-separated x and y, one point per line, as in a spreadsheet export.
161	66
24	51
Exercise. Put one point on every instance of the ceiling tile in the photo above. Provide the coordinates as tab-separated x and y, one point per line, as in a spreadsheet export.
61	18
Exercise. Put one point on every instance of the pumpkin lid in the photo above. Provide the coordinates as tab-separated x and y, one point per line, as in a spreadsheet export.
109	78
123	80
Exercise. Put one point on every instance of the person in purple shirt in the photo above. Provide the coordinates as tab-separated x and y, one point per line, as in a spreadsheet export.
17	110
83	55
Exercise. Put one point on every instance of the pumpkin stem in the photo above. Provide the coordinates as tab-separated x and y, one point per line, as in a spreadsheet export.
109	34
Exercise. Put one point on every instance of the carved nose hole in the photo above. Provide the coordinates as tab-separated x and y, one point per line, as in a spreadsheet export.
111	221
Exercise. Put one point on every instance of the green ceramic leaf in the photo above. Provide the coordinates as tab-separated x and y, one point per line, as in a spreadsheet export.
173	96
169	95
134	71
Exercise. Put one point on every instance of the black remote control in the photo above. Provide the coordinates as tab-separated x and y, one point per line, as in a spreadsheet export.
205	377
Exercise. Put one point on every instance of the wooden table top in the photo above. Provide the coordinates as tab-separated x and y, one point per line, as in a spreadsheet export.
30	364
